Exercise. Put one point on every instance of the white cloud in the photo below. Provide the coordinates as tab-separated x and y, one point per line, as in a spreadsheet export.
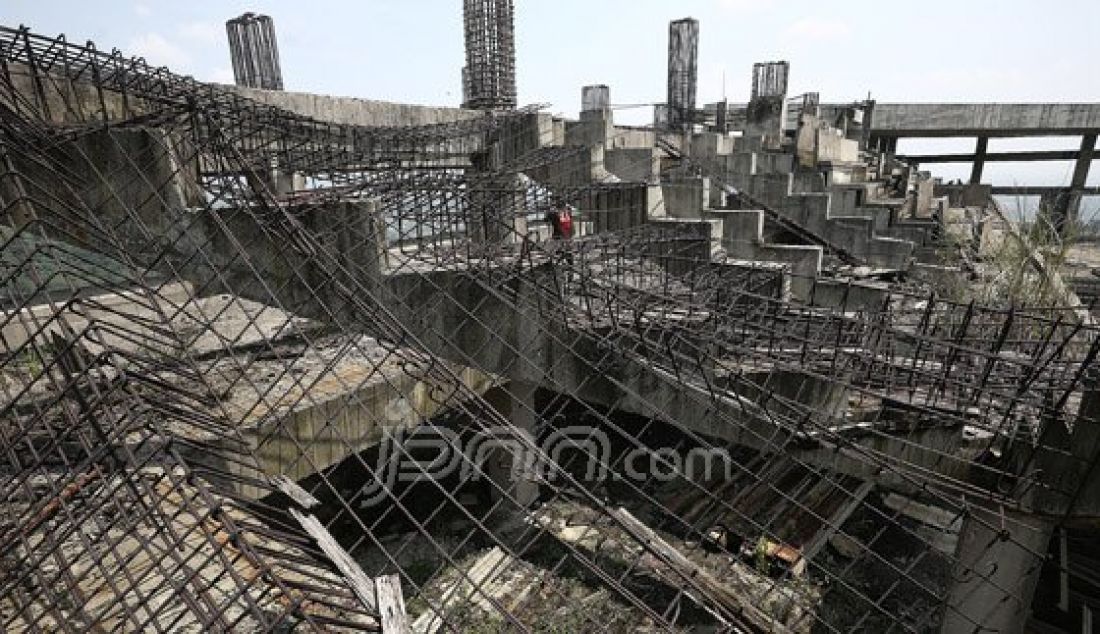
158	51
143	10
202	32
818	29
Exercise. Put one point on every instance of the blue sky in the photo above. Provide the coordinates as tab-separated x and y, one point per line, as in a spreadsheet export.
412	51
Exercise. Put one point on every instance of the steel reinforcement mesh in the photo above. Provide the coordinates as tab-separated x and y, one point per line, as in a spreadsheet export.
266	373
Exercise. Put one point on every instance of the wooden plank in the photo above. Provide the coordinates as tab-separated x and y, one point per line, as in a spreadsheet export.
291	489
391	604
358	580
708	585
463	590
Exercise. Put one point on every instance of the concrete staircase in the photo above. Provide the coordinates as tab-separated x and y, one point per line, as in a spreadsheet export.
789	217
742	238
854	233
867	200
871	235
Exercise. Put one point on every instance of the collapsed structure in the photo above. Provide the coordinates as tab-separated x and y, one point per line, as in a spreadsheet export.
277	361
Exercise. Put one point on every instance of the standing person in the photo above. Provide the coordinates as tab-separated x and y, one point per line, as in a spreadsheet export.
560	218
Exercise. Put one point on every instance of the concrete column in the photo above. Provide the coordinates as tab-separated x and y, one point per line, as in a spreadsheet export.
1084	161
721	117
490	73
508	465
254	52
868	121
979	160
766	113
282	182
596	97
596	125
494	199
1070	205
683	72
994	577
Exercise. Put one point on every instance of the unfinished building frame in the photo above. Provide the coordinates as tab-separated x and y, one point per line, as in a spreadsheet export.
489	77
382	397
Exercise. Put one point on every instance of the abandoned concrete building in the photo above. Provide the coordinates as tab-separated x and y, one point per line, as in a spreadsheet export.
275	361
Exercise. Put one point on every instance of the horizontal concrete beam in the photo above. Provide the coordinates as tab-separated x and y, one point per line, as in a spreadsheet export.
984	119
1045	155
1018	190
353	111
525	340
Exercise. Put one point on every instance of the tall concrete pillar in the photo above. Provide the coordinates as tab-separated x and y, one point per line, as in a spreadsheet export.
767	109
254	52
979	160
489	83
490	73
683	72
999	557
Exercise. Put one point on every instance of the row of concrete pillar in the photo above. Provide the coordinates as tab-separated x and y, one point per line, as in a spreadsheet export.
1063	204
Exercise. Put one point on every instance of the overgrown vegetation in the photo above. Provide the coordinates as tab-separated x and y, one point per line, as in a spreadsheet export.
1019	262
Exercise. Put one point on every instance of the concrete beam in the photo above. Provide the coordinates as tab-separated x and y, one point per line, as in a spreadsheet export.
1038	190
528	341
985	119
994	157
352	111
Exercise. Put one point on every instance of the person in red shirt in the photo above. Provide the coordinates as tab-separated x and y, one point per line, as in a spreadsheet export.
560	218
